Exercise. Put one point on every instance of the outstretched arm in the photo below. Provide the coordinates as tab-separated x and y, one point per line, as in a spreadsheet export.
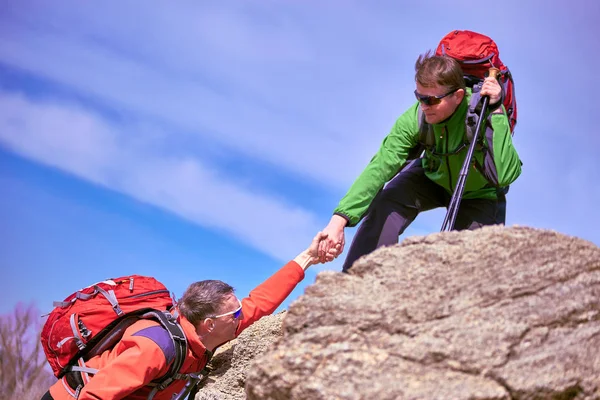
271	293
392	155
333	245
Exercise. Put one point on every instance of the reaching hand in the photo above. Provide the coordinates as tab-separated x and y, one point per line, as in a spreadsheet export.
313	250
334	243
310	256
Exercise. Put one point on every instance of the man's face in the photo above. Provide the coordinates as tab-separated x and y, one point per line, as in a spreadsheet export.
226	325
434	114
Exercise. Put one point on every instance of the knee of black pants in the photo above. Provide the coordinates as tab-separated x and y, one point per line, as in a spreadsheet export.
385	205
390	203
385	221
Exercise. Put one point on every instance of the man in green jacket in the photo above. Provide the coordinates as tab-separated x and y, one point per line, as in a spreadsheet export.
427	183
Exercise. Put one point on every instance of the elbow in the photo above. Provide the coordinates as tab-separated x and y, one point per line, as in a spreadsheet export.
510	175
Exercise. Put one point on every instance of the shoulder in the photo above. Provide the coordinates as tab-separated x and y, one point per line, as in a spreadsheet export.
410	116
406	128
151	333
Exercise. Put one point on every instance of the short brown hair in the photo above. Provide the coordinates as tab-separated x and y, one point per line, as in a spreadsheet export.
203	299
432	70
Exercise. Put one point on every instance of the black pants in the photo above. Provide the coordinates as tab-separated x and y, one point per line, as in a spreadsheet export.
403	198
47	396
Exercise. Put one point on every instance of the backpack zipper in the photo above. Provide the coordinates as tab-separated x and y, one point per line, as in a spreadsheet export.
146	294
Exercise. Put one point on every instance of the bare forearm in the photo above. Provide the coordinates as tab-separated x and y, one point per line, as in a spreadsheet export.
304	260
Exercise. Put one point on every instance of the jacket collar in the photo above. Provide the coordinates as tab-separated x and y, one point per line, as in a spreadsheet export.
458	116
194	343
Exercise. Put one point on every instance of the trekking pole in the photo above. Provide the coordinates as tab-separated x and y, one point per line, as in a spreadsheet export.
189	387
454	205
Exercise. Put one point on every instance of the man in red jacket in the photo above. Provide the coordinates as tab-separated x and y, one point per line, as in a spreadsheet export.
210	315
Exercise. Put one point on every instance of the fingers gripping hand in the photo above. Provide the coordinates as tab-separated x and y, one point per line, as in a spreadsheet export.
323	250
314	249
331	247
334	252
492	88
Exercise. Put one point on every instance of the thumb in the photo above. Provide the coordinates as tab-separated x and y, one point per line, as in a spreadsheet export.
320	236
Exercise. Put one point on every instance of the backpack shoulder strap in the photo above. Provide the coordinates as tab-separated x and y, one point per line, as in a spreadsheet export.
426	134
426	138
473	111
176	334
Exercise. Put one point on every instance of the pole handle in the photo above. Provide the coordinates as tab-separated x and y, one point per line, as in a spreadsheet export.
493	72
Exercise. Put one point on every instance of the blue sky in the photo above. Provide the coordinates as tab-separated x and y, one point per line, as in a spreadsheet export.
212	140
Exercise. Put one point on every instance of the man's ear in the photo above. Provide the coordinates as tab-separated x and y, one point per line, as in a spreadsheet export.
206	325
460	95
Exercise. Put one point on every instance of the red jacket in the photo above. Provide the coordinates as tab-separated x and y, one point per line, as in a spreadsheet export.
126	369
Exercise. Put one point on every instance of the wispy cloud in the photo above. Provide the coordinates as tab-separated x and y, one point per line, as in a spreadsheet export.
78	141
252	90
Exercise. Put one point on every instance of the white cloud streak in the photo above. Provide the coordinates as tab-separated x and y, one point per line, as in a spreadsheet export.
253	90
80	142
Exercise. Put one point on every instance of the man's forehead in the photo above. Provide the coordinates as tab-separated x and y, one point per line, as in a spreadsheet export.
230	301
435	90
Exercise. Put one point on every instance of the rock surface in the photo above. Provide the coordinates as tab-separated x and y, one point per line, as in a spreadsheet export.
232	361
496	313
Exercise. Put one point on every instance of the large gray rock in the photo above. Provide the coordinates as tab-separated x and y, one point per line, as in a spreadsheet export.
496	313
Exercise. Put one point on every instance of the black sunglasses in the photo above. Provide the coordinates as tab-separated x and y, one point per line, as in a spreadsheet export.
432	100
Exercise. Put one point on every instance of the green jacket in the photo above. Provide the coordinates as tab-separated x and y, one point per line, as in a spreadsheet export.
498	160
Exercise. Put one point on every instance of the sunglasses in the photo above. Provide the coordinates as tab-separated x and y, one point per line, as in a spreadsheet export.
236	313
432	100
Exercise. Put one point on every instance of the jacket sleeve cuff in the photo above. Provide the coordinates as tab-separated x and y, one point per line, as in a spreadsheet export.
350	222
496	112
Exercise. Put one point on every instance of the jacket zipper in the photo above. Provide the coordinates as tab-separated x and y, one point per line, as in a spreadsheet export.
445	131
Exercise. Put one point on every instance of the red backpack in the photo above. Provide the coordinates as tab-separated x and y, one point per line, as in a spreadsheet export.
476	54
93	319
